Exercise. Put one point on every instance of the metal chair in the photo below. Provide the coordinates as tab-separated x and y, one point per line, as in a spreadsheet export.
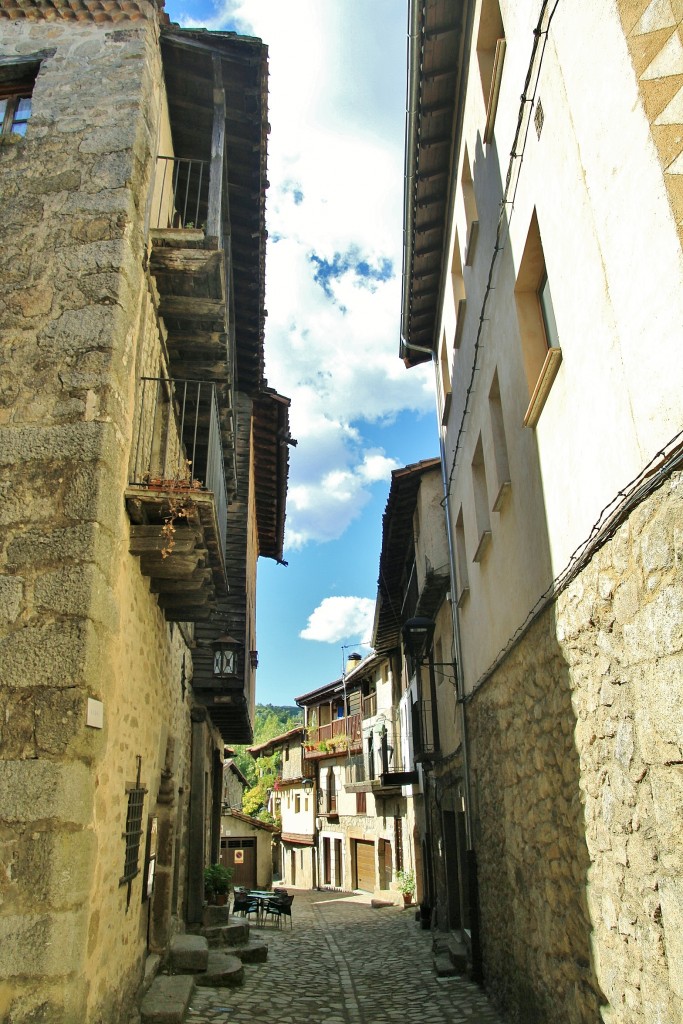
279	907
245	905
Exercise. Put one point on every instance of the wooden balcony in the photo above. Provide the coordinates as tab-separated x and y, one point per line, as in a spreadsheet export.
337	737
176	497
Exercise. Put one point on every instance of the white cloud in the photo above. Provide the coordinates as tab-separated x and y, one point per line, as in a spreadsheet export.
340	618
333	269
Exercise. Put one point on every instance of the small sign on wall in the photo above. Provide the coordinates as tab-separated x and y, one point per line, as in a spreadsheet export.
239	856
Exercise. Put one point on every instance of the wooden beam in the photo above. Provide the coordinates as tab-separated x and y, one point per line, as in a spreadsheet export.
213	224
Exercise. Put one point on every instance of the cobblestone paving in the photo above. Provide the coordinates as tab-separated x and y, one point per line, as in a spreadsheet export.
344	962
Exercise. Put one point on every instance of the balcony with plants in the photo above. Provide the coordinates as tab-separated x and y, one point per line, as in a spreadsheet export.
177	497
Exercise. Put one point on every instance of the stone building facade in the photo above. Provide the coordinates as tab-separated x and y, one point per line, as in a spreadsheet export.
110	750
558	387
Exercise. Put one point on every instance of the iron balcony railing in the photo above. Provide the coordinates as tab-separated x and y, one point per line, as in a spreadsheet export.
178	443
181	193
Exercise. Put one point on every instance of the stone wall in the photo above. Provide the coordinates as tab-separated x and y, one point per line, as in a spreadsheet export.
577	753
76	618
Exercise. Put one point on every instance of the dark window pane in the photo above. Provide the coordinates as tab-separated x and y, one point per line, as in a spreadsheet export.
546	301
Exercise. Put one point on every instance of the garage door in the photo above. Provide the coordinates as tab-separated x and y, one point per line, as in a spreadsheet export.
365	865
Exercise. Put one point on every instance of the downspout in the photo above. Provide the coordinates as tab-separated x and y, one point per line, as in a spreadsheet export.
473	886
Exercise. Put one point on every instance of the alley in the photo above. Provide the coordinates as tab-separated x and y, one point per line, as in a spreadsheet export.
344	962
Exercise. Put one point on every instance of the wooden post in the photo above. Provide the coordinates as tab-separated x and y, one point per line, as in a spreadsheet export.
213	224
197	822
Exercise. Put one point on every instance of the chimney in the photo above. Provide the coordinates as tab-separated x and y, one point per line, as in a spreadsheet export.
353	662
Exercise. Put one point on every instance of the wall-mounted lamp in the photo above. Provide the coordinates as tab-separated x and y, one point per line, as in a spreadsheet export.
306	784
253	659
418	634
225	649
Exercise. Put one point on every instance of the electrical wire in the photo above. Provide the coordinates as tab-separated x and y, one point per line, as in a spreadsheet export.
667	461
527	100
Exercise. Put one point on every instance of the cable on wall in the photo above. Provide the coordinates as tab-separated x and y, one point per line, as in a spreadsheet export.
526	104
667	461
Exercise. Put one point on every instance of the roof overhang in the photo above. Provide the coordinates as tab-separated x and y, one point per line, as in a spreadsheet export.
397	536
271	470
438	48
188	71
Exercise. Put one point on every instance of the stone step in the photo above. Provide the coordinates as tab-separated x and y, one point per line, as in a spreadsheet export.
213	915
457	951
167	999
233	934
188	954
444	967
222	970
252	953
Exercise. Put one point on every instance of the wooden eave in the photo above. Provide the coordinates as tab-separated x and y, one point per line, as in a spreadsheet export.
397	539
271	470
436	84
188	70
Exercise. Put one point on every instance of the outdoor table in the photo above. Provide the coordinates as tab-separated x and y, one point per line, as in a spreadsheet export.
262	897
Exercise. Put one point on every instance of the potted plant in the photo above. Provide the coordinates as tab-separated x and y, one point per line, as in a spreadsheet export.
406	885
217	879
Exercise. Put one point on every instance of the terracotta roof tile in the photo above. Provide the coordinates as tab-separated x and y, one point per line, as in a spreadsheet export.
99	12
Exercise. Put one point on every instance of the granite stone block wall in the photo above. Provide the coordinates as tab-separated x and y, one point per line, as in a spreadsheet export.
77	619
577	757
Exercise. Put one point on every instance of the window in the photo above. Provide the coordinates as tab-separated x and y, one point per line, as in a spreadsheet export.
459	299
481	502
538	331
463	583
297	804
361	803
136	799
16	88
444	382
500	448
490	55
471	213
398	843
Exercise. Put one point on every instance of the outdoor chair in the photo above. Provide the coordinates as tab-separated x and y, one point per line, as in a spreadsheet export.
278	908
245	905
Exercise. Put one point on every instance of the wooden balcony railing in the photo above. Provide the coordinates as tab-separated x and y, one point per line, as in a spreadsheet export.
336	737
370	705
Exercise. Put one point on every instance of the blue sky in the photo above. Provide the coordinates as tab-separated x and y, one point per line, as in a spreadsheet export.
333	293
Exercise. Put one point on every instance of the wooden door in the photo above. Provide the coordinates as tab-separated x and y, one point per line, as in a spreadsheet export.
240	855
365	865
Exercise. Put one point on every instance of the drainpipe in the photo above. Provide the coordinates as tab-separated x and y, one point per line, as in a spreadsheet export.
473	886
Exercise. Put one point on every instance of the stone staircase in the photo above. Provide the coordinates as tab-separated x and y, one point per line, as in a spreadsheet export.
449	956
213	957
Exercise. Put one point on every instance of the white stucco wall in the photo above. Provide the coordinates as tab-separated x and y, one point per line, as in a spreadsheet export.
614	264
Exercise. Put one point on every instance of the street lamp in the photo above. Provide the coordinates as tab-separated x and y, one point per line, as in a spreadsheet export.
418	634
306	784
225	650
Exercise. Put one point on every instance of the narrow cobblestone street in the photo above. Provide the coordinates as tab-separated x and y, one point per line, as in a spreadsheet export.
344	962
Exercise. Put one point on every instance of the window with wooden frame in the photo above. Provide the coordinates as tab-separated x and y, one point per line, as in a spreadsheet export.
537	325
481	502
462	575
471	212
501	466
490	56
16	91
361	803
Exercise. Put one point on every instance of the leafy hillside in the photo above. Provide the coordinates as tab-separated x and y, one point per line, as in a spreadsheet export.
270	720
